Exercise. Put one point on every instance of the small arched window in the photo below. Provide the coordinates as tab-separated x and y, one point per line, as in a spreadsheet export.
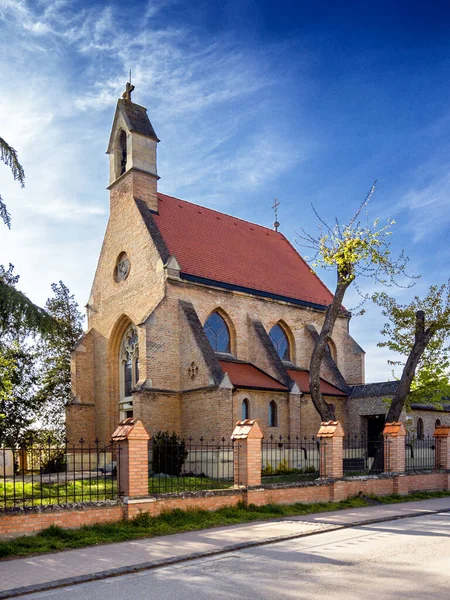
129	370
420	428
273	414
438	422
280	341
245	409
217	333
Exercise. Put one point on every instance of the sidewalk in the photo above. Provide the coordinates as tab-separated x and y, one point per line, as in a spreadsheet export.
48	571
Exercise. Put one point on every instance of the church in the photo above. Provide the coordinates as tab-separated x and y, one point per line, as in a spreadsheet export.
197	319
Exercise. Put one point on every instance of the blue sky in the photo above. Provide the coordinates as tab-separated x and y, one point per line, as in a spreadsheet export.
308	101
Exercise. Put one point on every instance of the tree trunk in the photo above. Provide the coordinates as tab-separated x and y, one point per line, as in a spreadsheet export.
325	410
422	339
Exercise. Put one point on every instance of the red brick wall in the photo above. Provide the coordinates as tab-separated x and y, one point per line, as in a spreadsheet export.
14	525
210	502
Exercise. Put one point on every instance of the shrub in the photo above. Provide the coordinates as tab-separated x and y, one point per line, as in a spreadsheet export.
267	470
310	469
169	453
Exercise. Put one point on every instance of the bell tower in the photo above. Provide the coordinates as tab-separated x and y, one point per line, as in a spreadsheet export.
132	153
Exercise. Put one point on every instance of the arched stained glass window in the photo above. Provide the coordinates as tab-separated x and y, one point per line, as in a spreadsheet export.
280	341
217	333
245	409
273	414
128	377
129	370
420	429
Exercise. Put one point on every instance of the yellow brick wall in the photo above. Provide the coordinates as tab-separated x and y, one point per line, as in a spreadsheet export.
158	411
310	419
239	307
113	306
167	345
259	409
207	413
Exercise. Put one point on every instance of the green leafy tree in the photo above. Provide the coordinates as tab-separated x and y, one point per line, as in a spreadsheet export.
54	385
13	303
353	250
18	405
17	311
420	331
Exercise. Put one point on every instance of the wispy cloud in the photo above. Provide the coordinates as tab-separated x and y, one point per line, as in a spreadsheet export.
428	206
69	66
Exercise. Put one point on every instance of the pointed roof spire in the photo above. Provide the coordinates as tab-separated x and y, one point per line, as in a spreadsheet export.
275	206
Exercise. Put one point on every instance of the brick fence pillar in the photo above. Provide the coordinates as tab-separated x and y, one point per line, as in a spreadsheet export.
131	440
442	437
247	437
331	462
394	447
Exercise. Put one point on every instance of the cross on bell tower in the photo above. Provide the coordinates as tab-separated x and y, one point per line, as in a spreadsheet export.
127	93
132	153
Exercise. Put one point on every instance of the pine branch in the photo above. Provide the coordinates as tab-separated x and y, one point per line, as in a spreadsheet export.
10	157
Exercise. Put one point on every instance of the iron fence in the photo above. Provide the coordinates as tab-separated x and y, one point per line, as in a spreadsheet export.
178	465
49	473
363	456
419	453
290	458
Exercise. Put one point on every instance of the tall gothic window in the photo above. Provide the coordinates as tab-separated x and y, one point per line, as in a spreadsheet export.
420	429
129	370
245	410
122	149
273	414
280	341
217	333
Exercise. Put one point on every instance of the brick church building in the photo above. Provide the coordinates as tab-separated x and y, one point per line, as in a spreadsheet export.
197	319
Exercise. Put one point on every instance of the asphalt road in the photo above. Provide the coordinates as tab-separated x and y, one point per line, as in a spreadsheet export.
402	559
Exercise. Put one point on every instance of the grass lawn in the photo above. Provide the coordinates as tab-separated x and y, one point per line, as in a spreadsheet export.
176	521
23	494
163	485
289	477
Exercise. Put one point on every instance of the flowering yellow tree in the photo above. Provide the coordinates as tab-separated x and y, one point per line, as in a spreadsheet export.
353	250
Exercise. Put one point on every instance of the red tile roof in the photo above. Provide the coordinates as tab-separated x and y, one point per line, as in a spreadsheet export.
302	380
222	248
248	376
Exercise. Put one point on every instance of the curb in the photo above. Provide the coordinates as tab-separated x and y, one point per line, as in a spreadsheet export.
155	564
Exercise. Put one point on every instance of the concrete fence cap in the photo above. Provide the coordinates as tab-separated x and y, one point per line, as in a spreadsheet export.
249	428
330	429
442	431
394	429
130	429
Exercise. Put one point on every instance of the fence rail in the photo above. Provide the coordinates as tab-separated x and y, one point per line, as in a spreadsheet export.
290	458
188	465
45	474
420	453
